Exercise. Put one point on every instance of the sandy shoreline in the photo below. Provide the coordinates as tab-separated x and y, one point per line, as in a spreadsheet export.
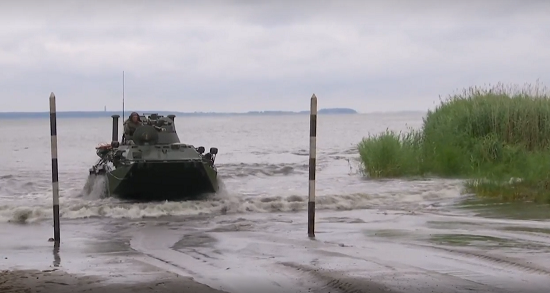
36	281
353	252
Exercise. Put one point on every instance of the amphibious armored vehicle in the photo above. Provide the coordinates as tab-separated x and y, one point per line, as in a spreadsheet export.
153	164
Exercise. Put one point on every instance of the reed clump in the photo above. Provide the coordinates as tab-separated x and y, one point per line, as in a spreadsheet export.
496	137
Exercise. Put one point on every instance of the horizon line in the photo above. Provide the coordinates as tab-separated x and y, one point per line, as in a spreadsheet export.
201	112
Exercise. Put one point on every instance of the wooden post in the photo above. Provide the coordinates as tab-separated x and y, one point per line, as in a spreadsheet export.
312	165
55	177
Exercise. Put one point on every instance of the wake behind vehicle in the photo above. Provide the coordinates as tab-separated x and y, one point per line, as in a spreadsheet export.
154	165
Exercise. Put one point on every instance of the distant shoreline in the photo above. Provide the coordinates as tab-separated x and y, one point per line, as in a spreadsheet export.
99	114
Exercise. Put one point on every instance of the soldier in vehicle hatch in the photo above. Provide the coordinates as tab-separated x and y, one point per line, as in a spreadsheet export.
131	124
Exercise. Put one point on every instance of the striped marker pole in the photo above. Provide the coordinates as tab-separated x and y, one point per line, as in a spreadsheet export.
312	165
55	177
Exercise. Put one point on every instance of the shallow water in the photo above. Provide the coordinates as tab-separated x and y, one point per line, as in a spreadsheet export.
262	162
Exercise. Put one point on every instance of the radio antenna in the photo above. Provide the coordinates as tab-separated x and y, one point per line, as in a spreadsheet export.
123	95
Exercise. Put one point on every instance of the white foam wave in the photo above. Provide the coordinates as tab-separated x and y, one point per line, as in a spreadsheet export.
225	203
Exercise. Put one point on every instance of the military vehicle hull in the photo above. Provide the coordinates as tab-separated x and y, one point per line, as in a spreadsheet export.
153	165
162	180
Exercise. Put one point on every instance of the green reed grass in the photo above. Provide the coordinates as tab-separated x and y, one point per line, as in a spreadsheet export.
488	135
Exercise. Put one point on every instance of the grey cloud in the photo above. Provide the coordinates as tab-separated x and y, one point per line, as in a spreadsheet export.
253	55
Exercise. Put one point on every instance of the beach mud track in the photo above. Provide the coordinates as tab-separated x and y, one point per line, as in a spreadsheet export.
36	281
338	281
272	253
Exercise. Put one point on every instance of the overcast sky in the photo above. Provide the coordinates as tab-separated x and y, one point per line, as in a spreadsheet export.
257	55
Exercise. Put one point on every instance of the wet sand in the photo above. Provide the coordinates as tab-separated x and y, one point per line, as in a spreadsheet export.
353	252
35	281
356	251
